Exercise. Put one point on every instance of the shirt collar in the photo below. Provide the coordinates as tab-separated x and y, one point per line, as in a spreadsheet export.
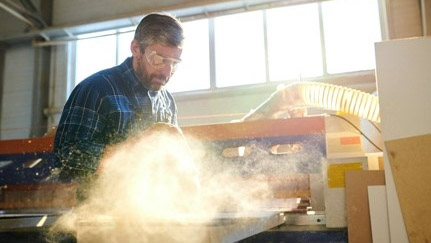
131	78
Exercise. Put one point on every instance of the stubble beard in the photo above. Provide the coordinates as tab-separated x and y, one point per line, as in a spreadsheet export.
149	81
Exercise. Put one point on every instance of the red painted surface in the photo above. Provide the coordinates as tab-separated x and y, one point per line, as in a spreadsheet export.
16	146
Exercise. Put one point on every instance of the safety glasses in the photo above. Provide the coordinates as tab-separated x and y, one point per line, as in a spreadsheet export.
159	62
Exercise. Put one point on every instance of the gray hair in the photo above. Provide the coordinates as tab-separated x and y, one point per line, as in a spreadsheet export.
159	28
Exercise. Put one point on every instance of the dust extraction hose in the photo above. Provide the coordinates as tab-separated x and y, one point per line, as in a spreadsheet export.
288	98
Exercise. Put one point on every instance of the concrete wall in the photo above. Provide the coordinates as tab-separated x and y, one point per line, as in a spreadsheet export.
16	102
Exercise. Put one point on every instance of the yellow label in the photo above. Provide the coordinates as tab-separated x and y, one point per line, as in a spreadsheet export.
336	173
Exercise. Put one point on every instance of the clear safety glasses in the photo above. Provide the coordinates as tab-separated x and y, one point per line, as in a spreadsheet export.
160	62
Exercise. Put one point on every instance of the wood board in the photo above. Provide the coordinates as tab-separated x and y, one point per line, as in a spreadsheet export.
410	160
358	214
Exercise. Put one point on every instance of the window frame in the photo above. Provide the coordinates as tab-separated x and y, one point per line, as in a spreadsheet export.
214	90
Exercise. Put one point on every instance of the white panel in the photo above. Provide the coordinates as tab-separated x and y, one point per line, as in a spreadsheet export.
404	86
378	214
403	72
58	85
335	197
335	205
17	93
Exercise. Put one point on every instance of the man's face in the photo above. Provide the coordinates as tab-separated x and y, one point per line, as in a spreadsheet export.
155	65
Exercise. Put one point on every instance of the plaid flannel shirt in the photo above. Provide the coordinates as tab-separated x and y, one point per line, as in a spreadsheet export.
102	110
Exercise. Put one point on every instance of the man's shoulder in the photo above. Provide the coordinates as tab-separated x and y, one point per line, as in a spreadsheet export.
107	79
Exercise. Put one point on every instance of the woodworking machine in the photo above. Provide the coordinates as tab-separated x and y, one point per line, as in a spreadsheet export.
299	158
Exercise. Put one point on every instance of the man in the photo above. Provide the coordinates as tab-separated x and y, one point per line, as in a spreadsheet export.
105	108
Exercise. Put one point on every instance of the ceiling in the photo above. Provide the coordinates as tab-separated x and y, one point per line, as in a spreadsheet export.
20	30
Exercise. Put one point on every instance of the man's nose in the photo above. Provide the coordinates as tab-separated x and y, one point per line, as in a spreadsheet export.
168	70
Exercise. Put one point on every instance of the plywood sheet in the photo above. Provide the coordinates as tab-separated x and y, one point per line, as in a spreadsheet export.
410	160
358	214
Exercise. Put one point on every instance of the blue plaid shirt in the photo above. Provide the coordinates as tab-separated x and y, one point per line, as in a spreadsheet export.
102	110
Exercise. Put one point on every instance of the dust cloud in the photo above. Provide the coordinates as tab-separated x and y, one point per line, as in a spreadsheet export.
160	187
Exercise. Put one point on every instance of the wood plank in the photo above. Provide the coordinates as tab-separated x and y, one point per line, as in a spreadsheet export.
410	160
358	214
258	128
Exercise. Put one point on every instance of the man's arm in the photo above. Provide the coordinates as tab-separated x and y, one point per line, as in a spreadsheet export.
78	143
78	158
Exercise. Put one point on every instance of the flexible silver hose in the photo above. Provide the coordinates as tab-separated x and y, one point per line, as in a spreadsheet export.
286	99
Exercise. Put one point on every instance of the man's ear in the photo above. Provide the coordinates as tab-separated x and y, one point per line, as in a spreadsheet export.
135	47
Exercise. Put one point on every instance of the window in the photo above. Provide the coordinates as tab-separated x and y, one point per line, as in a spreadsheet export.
194	70
350	42
94	54
274	45
239	49
124	41
294	45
